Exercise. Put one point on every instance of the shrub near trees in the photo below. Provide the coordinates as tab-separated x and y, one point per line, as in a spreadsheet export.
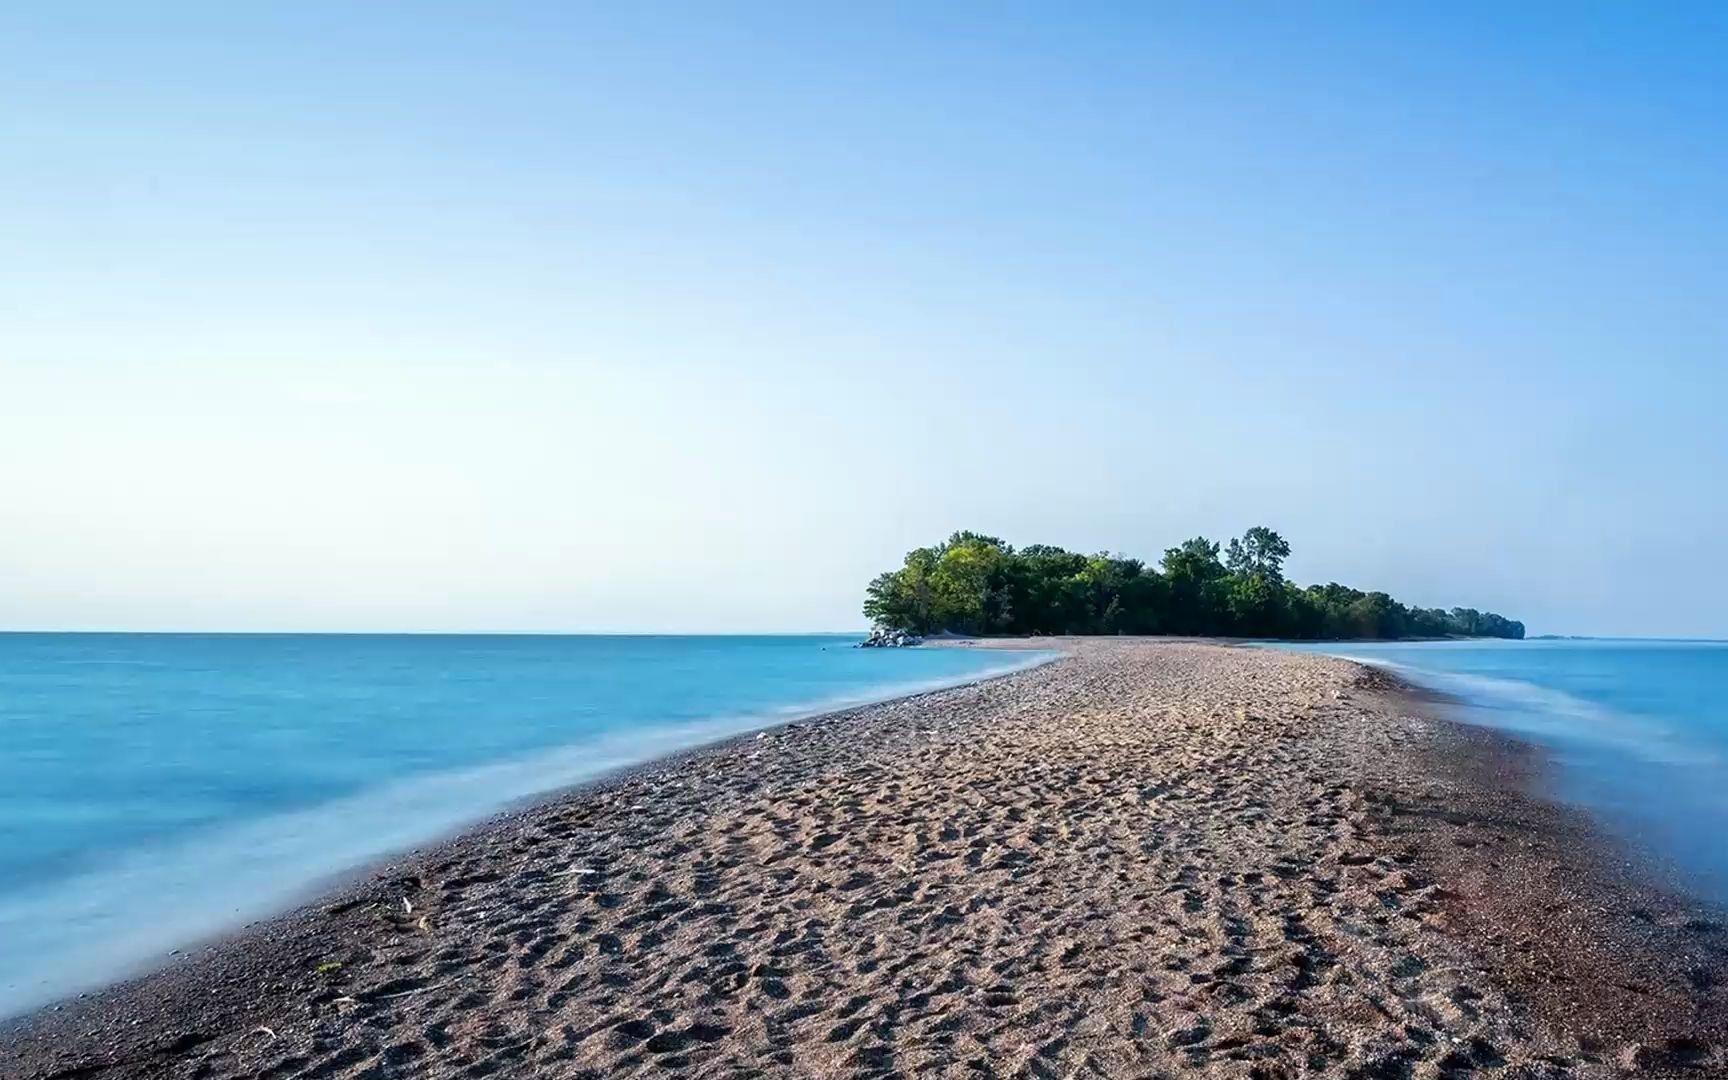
976	584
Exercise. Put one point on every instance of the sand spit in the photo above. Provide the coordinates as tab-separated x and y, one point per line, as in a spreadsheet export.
1149	859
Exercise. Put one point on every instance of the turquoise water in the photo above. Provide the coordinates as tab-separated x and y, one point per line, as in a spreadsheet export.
156	787
1638	729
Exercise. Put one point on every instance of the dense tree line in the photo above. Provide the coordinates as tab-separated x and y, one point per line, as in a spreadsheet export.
975	584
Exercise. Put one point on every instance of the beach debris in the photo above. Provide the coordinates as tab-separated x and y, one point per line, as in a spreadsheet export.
407	906
267	1032
327	967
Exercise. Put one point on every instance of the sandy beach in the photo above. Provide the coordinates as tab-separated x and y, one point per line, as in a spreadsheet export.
1146	859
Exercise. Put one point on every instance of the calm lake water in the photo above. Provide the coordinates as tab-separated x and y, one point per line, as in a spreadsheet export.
1639	729
157	787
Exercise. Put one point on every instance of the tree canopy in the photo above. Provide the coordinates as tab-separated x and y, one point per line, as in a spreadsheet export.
976	584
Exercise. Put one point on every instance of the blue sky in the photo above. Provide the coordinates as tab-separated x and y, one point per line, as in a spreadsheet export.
556	318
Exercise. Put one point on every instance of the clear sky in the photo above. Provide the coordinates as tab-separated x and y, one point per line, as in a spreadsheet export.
655	317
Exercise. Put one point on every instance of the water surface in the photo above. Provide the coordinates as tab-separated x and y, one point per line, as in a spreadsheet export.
156	787
1638	728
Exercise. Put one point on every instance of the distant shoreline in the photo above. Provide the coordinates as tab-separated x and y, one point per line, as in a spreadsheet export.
1296	829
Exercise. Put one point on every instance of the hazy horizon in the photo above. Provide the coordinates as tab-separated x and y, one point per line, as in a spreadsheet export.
323	319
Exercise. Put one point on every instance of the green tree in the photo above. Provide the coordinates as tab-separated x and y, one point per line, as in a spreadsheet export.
1195	588
1259	553
962	580
977	584
1254	593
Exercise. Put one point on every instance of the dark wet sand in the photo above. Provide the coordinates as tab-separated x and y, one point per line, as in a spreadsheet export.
1147	859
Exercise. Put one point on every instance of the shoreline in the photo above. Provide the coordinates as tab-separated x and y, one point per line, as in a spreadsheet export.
1600	936
313	891
1596	936
545	883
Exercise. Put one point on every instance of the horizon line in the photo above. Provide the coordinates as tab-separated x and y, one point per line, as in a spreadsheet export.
159	632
